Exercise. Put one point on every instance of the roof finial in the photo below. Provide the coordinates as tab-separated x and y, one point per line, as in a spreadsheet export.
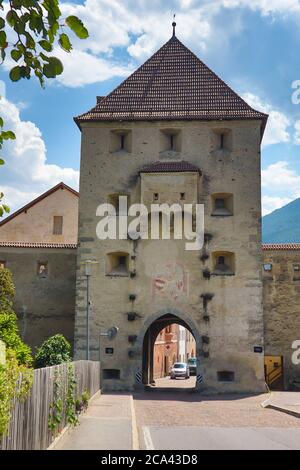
174	25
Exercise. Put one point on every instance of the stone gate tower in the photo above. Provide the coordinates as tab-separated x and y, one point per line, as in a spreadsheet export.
174	132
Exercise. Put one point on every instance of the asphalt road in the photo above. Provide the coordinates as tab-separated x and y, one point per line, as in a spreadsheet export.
216	438
179	419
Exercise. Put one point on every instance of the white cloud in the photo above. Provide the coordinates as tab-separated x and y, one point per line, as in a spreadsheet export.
26	173
278	123
297	133
140	27
86	68
266	7
280	184
271	203
278	176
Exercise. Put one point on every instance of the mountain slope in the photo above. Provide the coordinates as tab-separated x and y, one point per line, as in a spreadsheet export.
283	225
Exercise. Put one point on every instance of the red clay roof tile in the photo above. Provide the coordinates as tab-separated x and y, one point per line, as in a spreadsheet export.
169	167
37	245
173	84
281	246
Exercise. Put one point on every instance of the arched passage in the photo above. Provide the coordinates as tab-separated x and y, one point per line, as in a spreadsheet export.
151	329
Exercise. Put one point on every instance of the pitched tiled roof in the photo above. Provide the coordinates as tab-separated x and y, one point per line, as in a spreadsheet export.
36	245
281	246
170	167
172	84
38	199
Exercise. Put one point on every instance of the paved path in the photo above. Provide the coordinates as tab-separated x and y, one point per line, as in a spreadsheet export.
285	401
186	420
107	424
167	383
179	418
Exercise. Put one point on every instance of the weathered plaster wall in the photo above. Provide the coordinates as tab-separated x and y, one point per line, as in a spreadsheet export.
36	224
45	306
235	323
281	296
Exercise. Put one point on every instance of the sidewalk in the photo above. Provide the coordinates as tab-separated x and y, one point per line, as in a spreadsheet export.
108	424
287	402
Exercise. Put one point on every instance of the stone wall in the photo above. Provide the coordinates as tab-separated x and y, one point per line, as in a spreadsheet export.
281	297
44	305
233	320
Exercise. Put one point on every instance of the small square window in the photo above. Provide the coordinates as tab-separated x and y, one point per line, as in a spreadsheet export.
220	203
221	141
2	264
224	263
225	376
57	225
111	374
121	140
42	269
268	267
182	196
117	264
170	140
155	196
296	267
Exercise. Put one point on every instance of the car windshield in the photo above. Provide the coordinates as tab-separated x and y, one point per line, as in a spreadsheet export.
179	365
192	360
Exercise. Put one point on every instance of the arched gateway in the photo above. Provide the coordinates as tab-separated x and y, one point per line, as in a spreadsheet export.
173	133
146	339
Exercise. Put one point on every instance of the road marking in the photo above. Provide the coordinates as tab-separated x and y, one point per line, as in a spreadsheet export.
135	434
148	439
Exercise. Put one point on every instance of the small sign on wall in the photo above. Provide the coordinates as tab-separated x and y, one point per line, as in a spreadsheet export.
109	350
258	349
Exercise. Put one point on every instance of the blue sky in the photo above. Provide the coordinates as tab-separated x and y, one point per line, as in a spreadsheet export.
253	46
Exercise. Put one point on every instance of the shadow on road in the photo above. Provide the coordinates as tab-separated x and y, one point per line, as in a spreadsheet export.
186	394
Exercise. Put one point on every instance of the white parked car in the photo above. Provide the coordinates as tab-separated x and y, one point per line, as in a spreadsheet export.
180	369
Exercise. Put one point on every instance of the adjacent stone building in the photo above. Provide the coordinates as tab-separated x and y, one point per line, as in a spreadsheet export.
281	301
38	244
174	132
165	351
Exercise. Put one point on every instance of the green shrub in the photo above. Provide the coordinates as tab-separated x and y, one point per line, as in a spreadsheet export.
12	385
9	333
55	350
85	399
18	354
9	330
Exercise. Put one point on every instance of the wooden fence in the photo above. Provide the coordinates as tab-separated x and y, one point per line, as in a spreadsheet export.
29	424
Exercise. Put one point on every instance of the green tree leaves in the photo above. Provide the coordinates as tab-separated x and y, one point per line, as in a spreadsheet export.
46	45
3	41
16	54
15	74
76	25
37	26
53	68
64	42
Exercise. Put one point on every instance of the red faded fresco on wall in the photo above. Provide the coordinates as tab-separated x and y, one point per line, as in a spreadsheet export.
171	282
